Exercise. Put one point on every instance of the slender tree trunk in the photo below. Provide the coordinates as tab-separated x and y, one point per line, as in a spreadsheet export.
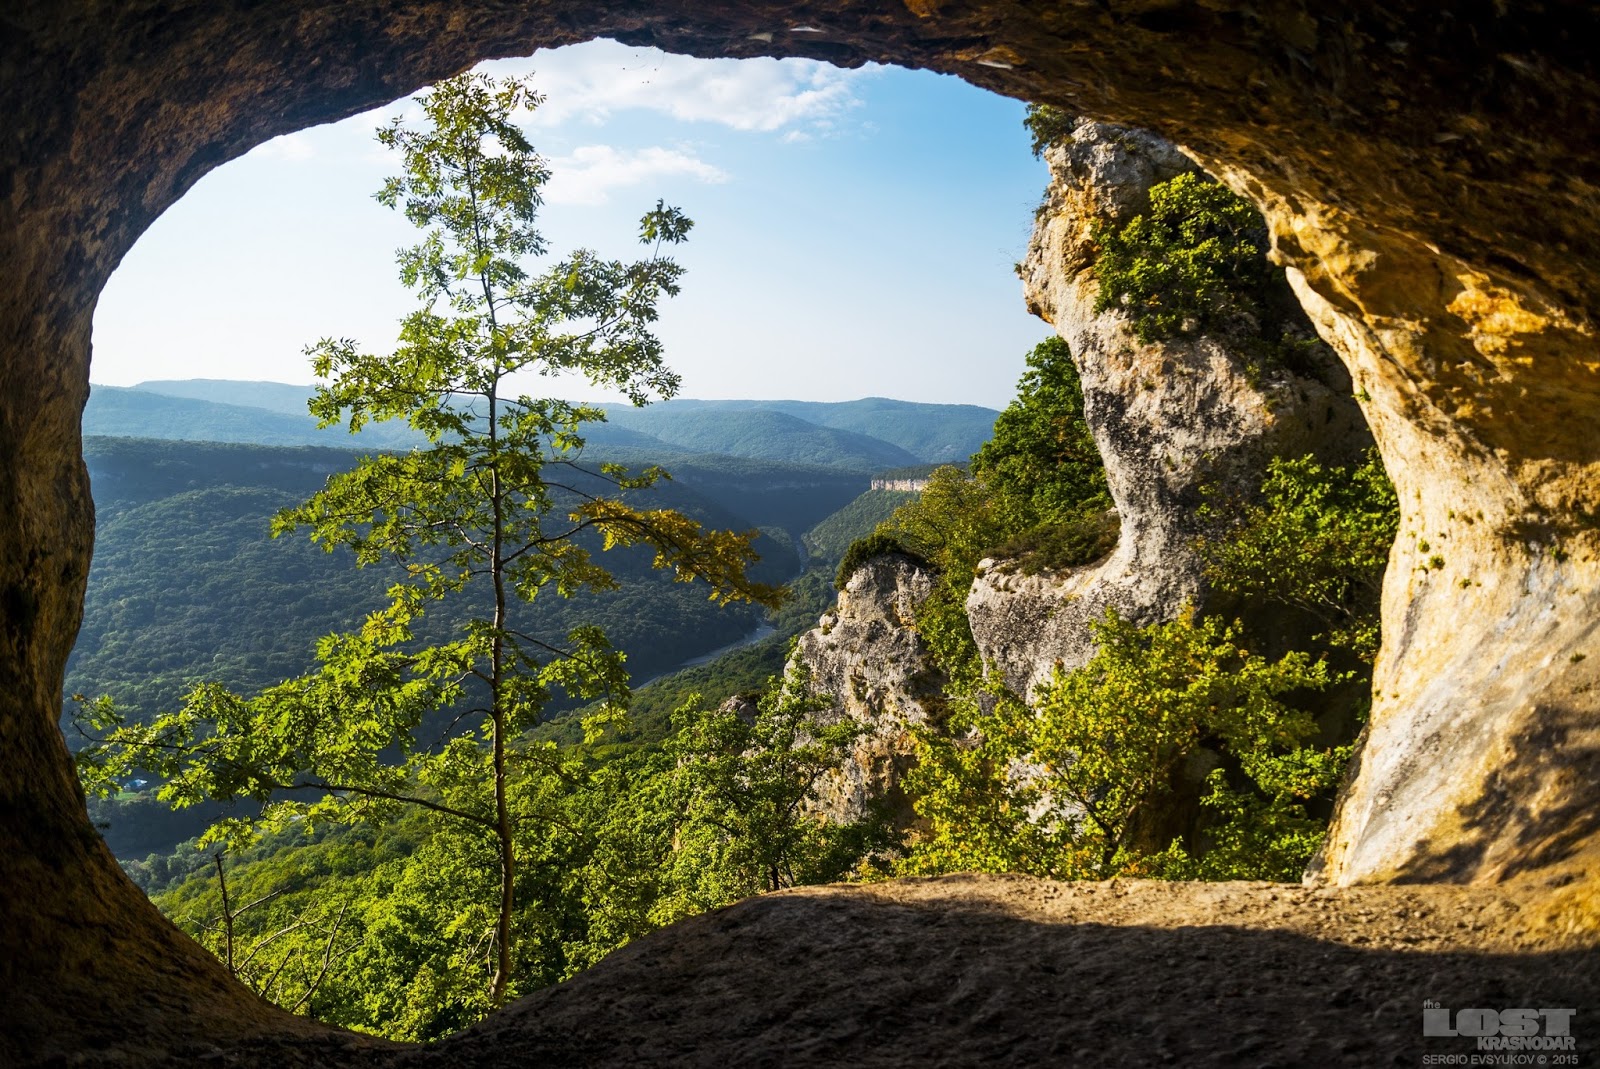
502	815
227	915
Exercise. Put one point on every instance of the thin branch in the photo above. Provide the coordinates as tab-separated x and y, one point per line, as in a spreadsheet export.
327	961
373	792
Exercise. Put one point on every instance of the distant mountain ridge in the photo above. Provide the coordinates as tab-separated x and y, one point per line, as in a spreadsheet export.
760	434
866	435
133	412
283	397
931	433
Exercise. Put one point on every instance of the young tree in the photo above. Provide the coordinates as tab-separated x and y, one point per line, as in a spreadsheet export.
745	778
497	508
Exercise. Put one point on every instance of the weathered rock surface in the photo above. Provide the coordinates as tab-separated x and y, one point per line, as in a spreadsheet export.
1483	756
867	656
1169	418
1431	176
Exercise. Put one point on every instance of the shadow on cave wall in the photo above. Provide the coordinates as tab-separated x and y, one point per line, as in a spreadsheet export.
1535	809
834	978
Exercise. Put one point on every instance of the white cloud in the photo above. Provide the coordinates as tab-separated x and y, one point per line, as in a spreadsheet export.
589	173
589	82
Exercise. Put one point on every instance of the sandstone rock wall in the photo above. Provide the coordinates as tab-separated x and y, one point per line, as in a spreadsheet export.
1169	418
1483	757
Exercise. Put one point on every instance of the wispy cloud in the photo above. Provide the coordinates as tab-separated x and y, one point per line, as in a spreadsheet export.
291	148
589	173
591	82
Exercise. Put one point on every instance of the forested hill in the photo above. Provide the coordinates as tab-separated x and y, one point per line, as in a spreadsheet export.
759	434
933	434
867	435
187	585
284	397
756	493
115	411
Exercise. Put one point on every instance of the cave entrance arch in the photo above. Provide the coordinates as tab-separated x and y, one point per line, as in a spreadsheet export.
1432	180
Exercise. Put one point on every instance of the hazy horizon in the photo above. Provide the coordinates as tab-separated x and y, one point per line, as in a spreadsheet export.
581	400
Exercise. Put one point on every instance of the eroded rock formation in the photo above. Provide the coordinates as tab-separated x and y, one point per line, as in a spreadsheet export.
867	657
1432	180
1170	418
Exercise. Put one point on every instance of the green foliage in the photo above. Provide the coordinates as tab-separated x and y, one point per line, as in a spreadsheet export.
1317	540
1195	262
743	671
486	514
1042	465
1178	752
950	525
1079	786
1049	126
976	817
608	851
828	540
747	779
864	549
249	608
1055	547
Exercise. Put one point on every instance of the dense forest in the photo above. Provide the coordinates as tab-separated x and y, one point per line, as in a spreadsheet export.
188	583
250	608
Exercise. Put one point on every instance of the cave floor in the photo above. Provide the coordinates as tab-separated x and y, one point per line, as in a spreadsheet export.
987	970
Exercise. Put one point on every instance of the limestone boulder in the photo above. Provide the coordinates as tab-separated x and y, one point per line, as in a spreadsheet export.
868	659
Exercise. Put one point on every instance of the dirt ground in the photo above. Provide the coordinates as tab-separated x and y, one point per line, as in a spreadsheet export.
1002	971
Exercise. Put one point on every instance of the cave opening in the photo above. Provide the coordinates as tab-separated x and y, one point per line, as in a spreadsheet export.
1431	183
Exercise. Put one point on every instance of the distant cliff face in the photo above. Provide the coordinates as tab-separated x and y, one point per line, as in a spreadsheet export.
867	655
1169	418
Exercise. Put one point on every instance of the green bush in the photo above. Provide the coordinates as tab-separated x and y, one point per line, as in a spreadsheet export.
862	550
1082	785
1317	540
1196	261
1054	547
1049	126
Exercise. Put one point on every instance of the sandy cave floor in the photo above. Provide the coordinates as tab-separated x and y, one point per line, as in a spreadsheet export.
984	971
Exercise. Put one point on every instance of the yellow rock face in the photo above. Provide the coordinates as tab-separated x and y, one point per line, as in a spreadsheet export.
1482	758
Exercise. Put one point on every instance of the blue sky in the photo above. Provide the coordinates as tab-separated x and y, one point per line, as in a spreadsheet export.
855	231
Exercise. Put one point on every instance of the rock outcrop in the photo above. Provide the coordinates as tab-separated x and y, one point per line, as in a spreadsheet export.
1482	762
867	657
1431	177
1170	418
